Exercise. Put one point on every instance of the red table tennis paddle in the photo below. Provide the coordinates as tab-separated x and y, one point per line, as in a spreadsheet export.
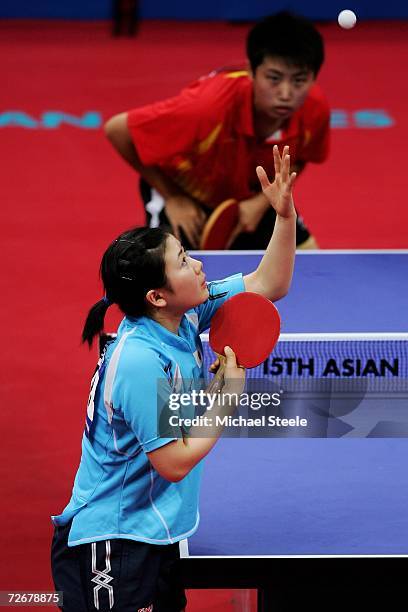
250	324
219	226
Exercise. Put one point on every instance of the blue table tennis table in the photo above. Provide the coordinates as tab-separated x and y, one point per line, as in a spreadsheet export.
285	514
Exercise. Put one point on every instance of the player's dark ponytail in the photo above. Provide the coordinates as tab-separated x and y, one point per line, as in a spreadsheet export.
132	265
95	320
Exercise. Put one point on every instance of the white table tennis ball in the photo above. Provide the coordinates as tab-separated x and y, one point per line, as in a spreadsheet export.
347	19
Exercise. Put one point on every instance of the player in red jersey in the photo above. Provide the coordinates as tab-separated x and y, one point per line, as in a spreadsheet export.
201	147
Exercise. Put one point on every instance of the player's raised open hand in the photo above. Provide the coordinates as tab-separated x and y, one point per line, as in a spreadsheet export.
279	193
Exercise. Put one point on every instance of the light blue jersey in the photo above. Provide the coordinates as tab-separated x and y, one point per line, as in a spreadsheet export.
117	493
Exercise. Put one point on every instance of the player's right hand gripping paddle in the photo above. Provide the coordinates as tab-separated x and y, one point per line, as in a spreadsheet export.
219	226
250	324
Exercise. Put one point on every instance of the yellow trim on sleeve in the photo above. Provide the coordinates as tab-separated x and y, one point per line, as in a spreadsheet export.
208	142
184	165
237	74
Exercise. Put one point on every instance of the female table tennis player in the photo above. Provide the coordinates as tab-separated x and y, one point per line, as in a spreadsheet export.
135	494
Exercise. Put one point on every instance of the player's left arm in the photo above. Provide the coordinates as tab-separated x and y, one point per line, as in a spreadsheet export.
273	276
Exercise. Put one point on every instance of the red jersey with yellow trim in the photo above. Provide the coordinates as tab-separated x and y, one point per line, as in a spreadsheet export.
204	140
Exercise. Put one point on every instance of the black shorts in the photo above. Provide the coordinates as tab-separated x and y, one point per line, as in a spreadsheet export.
259	239
119	575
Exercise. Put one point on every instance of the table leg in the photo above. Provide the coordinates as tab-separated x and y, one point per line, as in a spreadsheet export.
267	601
